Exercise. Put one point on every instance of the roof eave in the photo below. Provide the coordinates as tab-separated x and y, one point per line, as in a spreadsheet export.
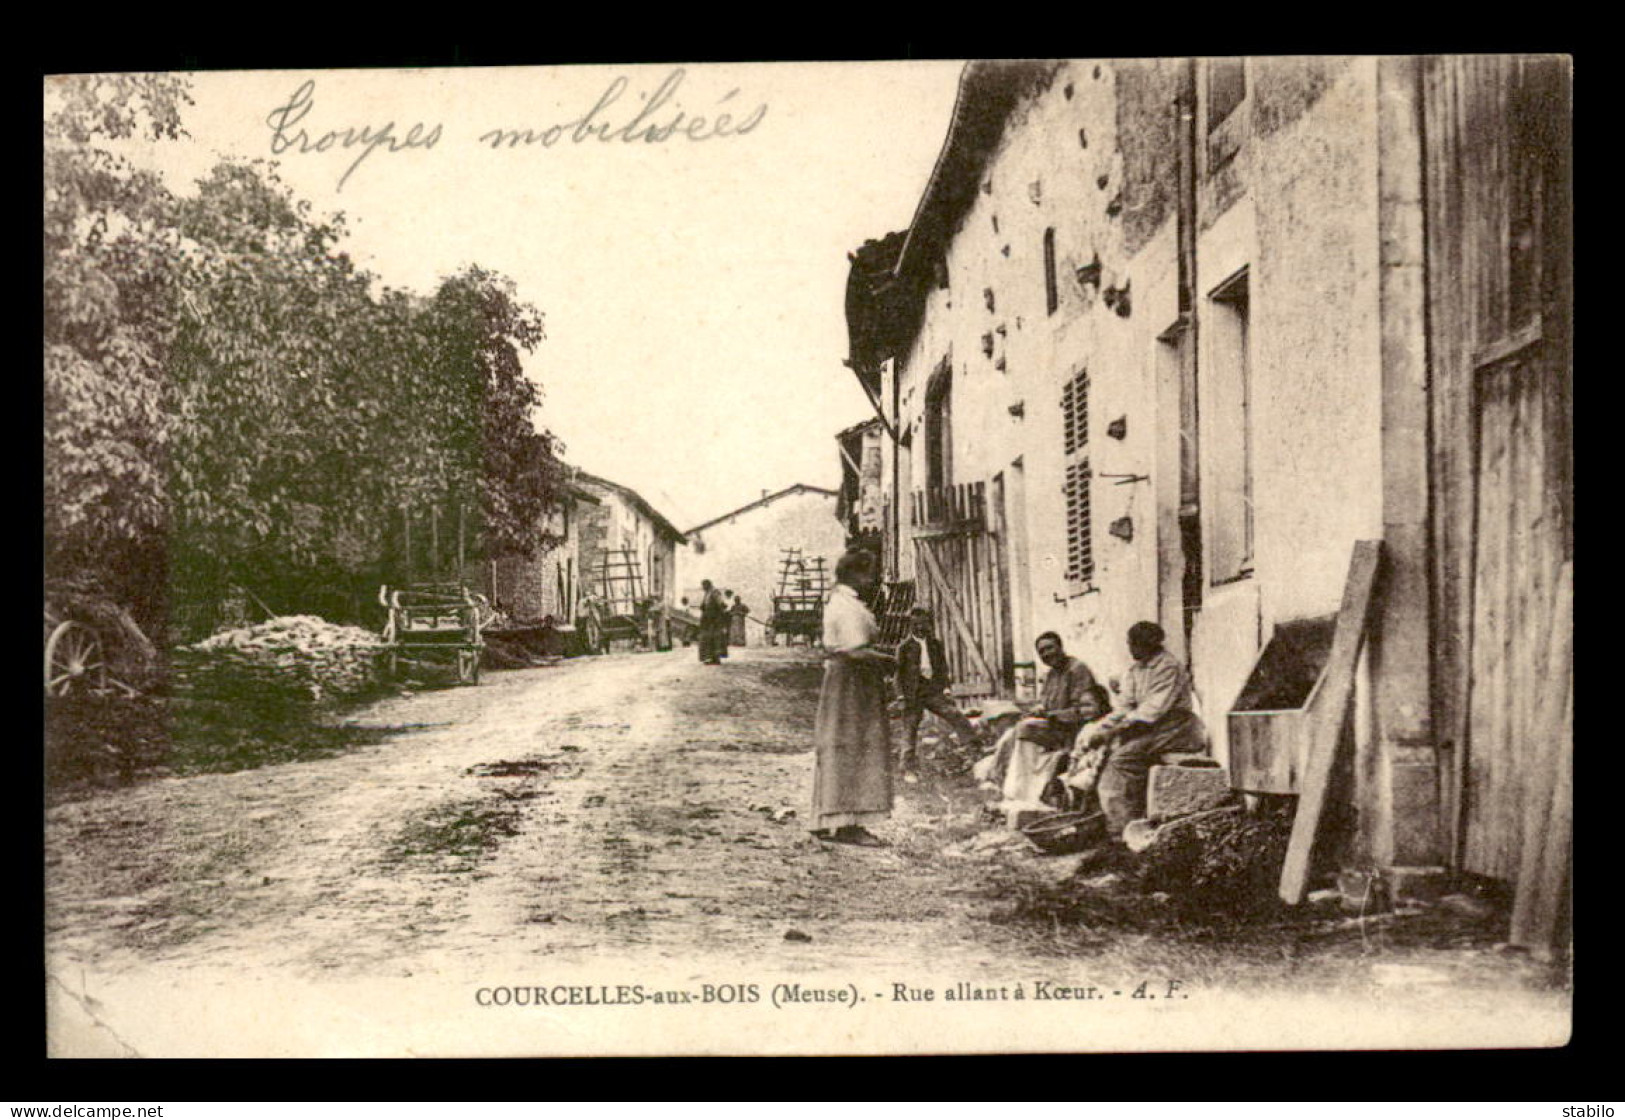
989	91
764	501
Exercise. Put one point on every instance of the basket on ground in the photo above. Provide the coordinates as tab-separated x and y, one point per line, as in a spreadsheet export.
1059	833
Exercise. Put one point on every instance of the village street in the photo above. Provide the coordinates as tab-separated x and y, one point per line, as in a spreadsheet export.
1215	411
628	820
636	803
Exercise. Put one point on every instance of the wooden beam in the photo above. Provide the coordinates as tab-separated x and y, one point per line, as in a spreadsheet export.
857	470
945	593
1001	585
879	411
1326	718
461	553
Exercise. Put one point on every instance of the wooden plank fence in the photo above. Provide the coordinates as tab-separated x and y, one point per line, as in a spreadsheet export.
960	555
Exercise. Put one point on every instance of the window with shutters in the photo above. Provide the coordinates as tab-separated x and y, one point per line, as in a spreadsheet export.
1080	553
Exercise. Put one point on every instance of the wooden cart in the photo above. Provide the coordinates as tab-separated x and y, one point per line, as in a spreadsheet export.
92	644
435	622
620	610
798	605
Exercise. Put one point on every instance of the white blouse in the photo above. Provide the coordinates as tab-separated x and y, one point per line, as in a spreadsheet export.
848	624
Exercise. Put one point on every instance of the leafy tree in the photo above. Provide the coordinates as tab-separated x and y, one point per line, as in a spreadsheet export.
229	396
109	303
481	327
269	382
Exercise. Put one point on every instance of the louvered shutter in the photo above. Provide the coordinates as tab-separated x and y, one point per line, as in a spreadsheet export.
1080	553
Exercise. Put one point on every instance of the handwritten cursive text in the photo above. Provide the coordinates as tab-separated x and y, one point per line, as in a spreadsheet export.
283	137
649	125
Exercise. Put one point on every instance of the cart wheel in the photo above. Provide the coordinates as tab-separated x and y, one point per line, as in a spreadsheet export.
593	635
73	660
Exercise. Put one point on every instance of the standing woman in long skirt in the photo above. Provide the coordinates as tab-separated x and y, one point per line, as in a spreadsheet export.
852	781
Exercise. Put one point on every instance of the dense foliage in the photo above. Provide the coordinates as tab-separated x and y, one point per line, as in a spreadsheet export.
229	400
109	241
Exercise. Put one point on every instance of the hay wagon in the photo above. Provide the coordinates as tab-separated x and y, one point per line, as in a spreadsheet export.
798	605
622	609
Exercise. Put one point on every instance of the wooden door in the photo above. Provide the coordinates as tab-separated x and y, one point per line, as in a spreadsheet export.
1518	550
1499	247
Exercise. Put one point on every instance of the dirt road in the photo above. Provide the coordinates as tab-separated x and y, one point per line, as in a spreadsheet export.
632	818
635	801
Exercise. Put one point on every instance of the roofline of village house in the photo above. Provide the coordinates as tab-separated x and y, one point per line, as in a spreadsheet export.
988	92
861	425
762	501
639	501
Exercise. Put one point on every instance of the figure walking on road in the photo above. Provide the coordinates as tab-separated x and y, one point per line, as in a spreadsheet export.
737	613
713	625
852	767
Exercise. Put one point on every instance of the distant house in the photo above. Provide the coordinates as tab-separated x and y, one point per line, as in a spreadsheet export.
861	506
742	550
622	524
546	586
597	519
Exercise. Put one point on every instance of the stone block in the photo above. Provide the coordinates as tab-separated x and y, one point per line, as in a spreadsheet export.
1415	799
1173	791
1417	884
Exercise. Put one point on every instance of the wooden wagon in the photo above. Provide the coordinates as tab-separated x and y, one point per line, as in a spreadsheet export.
435	622
92	644
798	605
621	609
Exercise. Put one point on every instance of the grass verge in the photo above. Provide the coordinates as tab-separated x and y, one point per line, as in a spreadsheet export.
103	742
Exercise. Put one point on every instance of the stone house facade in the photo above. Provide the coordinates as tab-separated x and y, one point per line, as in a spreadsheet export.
620	521
595	516
1157	344
545	586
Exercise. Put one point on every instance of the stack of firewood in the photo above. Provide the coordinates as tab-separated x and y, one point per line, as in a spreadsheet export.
293	657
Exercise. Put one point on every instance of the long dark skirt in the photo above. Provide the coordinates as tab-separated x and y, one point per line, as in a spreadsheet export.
852	780
712	641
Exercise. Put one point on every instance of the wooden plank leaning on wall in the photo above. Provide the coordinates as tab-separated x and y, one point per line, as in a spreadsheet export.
1326	720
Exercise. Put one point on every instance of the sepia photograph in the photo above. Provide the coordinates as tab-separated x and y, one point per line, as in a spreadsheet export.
809	558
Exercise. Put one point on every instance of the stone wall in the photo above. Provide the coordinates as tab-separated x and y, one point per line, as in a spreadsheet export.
1286	193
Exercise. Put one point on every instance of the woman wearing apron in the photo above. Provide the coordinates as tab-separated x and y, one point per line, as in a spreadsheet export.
852	780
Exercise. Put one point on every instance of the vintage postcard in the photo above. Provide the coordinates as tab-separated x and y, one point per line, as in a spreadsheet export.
782	558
